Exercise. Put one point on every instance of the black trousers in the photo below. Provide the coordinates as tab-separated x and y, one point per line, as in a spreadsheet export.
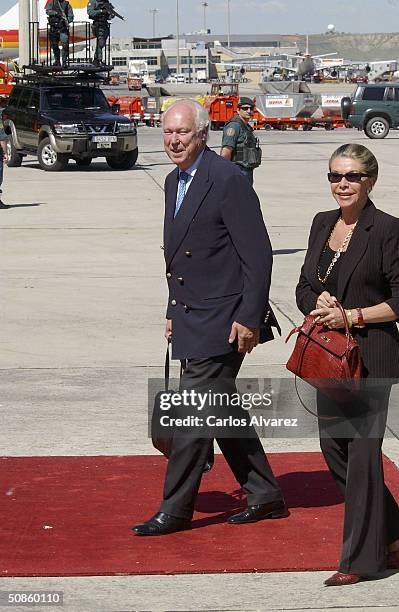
245	456
371	519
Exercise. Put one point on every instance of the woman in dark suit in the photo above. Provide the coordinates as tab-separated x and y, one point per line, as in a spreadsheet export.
353	257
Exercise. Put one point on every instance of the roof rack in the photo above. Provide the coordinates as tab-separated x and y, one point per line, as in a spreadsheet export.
40	69
73	73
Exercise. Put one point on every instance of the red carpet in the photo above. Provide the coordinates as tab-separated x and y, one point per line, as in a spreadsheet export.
71	516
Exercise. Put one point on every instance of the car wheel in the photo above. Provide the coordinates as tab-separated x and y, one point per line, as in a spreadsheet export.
14	158
84	162
377	127
125	161
50	160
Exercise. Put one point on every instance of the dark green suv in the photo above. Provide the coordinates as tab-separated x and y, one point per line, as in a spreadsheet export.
373	108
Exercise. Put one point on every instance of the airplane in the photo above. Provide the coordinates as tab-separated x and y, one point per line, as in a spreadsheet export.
9	26
309	64
302	64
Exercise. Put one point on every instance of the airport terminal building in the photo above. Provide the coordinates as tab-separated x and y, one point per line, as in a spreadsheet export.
198	53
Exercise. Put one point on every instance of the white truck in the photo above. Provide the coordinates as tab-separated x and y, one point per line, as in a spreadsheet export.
382	71
201	76
137	75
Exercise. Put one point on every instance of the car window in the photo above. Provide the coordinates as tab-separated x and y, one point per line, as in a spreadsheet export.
396	90
14	96
390	94
35	101
75	98
24	100
373	93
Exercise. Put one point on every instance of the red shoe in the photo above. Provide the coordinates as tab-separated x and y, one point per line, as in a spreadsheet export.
340	579
393	560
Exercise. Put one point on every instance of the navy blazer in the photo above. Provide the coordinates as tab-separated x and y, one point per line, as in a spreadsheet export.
218	260
369	275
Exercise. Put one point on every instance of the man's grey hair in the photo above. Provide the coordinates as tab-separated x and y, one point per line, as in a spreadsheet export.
201	114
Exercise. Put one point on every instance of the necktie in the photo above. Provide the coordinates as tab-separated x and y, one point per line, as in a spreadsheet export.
183	178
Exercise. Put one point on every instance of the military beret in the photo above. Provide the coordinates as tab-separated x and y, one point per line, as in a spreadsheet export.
246	102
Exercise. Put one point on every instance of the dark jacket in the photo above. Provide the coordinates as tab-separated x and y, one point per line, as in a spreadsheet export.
369	275
54	9
218	260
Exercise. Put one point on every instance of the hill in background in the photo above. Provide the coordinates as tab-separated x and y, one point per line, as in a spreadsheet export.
357	47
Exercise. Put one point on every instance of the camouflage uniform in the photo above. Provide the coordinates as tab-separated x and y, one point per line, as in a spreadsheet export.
101	29
236	135
56	11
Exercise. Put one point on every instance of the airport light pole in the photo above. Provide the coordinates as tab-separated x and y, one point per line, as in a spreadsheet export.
154	11
228	24
24	19
205	5
177	39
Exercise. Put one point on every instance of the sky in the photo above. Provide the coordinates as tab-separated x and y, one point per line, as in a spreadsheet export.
254	16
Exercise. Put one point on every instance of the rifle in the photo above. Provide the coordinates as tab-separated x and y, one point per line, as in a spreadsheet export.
62	14
105	5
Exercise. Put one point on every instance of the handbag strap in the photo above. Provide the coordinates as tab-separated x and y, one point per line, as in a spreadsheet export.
296	330
345	318
167	366
321	418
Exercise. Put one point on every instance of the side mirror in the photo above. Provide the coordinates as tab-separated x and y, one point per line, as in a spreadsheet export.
115	108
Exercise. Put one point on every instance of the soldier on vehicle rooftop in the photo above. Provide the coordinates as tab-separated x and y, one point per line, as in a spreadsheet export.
60	15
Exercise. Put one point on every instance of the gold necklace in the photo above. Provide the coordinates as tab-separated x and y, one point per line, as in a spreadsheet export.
337	253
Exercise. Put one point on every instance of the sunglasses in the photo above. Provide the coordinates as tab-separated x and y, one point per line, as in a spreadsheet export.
351	177
247	108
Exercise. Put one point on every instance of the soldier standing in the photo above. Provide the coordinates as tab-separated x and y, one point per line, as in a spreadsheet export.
60	15
101	12
239	144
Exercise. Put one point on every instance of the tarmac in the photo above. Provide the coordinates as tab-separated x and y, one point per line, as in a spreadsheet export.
83	302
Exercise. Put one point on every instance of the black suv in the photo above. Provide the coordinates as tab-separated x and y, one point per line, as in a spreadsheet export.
58	122
373	108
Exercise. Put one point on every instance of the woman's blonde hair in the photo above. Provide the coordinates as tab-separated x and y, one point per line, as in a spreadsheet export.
361	154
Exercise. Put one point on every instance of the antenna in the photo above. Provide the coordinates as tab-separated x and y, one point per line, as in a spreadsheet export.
205	6
154	12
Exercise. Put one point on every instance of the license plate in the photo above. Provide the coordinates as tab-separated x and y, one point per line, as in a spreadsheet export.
104	145
105	139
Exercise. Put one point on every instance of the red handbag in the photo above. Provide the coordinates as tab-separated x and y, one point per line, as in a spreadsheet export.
328	359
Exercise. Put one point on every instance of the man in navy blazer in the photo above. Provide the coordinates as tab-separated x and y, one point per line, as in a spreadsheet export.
218	267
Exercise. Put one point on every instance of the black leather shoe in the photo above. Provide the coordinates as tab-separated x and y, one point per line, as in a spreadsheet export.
161	524
210	461
252	514
2	205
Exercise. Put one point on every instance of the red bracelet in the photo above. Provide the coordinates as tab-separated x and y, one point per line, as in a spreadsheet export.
360	321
